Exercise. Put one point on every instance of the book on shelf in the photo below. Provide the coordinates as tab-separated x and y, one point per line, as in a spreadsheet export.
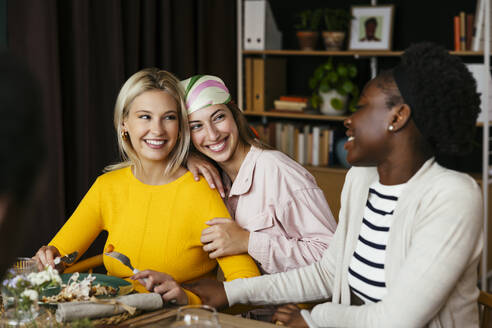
307	144
462	31
456	24
301	149
294	98
306	131
316	147
470	18
265	81
479	26
248	85
294	106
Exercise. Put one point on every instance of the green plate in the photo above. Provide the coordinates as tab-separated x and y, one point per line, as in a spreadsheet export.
122	286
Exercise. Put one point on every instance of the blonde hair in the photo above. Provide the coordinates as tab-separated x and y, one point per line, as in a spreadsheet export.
147	80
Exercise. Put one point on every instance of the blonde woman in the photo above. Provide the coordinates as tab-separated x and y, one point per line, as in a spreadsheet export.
144	201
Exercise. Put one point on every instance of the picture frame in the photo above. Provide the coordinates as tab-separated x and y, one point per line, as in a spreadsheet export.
371	27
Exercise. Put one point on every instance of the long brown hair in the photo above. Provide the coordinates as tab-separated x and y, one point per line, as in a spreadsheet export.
246	135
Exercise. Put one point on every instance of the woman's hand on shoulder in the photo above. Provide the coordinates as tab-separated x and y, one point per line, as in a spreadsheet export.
46	256
163	284
198	165
224	237
289	315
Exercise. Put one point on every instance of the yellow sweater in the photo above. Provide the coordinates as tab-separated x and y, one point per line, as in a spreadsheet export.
157	227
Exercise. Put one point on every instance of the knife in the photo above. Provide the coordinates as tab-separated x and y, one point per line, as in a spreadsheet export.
67	259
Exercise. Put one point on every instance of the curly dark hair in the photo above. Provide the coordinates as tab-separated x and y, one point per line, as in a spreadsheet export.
445	103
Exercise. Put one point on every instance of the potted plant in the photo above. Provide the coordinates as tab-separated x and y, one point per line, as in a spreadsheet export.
336	25
307	28
332	84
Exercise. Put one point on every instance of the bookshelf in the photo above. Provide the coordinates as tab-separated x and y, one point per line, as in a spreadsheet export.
345	53
300	116
331	179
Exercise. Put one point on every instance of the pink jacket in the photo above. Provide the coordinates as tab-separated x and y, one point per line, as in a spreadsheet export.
279	202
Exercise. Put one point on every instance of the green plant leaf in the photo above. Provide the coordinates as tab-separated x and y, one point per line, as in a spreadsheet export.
342	70
348	86
315	100
352	71
332	76
341	91
325	84
318	73
313	83
337	103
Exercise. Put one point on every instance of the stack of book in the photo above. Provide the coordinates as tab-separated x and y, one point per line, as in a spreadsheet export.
307	144
463	31
290	103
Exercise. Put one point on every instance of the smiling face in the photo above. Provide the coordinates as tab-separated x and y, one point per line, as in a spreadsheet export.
153	126
367	129
214	132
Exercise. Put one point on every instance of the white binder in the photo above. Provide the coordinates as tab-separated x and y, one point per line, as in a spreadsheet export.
480	74
260	28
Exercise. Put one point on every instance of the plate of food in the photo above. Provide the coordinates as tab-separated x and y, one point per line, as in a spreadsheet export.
83	286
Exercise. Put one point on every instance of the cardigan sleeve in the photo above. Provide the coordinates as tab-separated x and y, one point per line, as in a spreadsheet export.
446	242
305	284
85	224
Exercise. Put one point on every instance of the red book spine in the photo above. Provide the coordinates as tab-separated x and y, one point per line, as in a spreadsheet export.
469	30
456	33
293	98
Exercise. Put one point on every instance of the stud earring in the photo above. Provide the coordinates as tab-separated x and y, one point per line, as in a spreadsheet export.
391	128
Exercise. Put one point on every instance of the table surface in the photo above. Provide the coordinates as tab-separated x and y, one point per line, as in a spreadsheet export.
165	317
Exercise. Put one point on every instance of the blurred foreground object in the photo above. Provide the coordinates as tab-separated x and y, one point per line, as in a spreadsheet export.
21	150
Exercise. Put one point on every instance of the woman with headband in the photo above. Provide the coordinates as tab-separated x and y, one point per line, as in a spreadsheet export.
281	217
409	237
144	201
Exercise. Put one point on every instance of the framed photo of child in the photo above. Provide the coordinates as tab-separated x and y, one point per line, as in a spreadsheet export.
371	27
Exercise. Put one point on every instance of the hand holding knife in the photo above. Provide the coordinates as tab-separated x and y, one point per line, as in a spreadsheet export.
62	262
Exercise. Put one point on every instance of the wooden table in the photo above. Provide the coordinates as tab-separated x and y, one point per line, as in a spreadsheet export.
165	317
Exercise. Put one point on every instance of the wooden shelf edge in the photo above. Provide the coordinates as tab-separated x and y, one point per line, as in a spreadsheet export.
481	124
356	53
297	116
327	169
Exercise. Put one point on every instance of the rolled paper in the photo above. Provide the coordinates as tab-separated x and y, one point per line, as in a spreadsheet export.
108	307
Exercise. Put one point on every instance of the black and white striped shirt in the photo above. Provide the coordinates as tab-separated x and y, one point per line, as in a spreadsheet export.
366	271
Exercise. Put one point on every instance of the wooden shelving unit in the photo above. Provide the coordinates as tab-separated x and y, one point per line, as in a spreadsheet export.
357	54
296	116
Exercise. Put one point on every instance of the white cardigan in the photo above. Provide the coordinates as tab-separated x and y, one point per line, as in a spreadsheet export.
431	258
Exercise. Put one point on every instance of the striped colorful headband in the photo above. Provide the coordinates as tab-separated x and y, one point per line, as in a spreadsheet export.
204	90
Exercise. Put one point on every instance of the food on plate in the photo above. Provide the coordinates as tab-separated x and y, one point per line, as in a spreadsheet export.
82	290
